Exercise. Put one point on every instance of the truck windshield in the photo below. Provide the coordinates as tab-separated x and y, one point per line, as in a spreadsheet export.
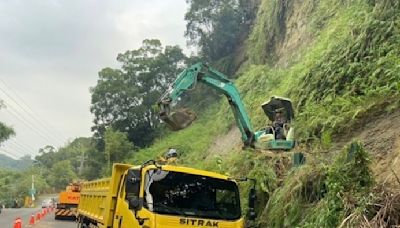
176	193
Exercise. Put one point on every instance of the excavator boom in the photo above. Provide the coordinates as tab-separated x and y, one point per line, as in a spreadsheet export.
187	80
273	137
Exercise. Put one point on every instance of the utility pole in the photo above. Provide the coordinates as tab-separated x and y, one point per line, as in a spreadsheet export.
33	191
83	159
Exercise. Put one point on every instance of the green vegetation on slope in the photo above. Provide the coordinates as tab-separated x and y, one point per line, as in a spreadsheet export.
321	196
349	70
355	75
193	142
15	185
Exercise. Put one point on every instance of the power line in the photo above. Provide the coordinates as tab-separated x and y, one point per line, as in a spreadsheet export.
21	146
11	98
16	149
26	146
28	125
7	153
31	110
14	112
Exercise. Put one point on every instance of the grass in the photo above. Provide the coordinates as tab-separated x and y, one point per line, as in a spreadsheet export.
350	70
192	142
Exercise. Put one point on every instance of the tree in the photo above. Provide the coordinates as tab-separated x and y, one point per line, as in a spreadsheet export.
80	152
76	152
117	147
61	174
16	185
124	98
94	160
5	131
218	26
47	157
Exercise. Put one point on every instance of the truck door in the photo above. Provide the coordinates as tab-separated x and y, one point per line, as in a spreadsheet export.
129	189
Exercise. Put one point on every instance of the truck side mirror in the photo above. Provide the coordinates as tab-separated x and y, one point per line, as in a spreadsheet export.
135	204
252	204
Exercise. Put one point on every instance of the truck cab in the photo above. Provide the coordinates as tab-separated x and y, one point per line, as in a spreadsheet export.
161	197
67	202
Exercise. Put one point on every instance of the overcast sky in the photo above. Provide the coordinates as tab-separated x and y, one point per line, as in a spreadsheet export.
51	51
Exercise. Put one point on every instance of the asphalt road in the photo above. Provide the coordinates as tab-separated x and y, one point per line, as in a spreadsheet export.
8	216
50	222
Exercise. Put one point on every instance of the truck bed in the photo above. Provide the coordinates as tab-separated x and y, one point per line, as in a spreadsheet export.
98	198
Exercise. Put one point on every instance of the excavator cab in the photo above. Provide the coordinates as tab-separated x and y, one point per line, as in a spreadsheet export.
279	135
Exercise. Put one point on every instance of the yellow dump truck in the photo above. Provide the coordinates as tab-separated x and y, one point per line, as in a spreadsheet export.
68	201
161	196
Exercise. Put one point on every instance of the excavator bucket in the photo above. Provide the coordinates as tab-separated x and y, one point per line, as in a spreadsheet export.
179	119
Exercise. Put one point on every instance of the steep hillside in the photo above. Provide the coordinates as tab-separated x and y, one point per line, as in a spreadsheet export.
338	60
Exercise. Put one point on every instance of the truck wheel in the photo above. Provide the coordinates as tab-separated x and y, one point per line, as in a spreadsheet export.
82	224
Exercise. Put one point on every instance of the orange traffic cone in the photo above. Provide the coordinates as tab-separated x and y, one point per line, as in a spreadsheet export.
32	220
38	216
18	223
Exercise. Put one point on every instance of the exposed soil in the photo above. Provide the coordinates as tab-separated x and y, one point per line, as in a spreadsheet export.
381	137
226	143
297	33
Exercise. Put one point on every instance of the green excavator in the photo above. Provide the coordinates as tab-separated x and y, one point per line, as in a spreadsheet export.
278	136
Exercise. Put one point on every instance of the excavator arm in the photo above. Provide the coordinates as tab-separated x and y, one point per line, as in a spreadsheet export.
202	73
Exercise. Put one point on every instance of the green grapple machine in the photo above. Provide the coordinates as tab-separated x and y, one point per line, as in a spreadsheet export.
278	136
